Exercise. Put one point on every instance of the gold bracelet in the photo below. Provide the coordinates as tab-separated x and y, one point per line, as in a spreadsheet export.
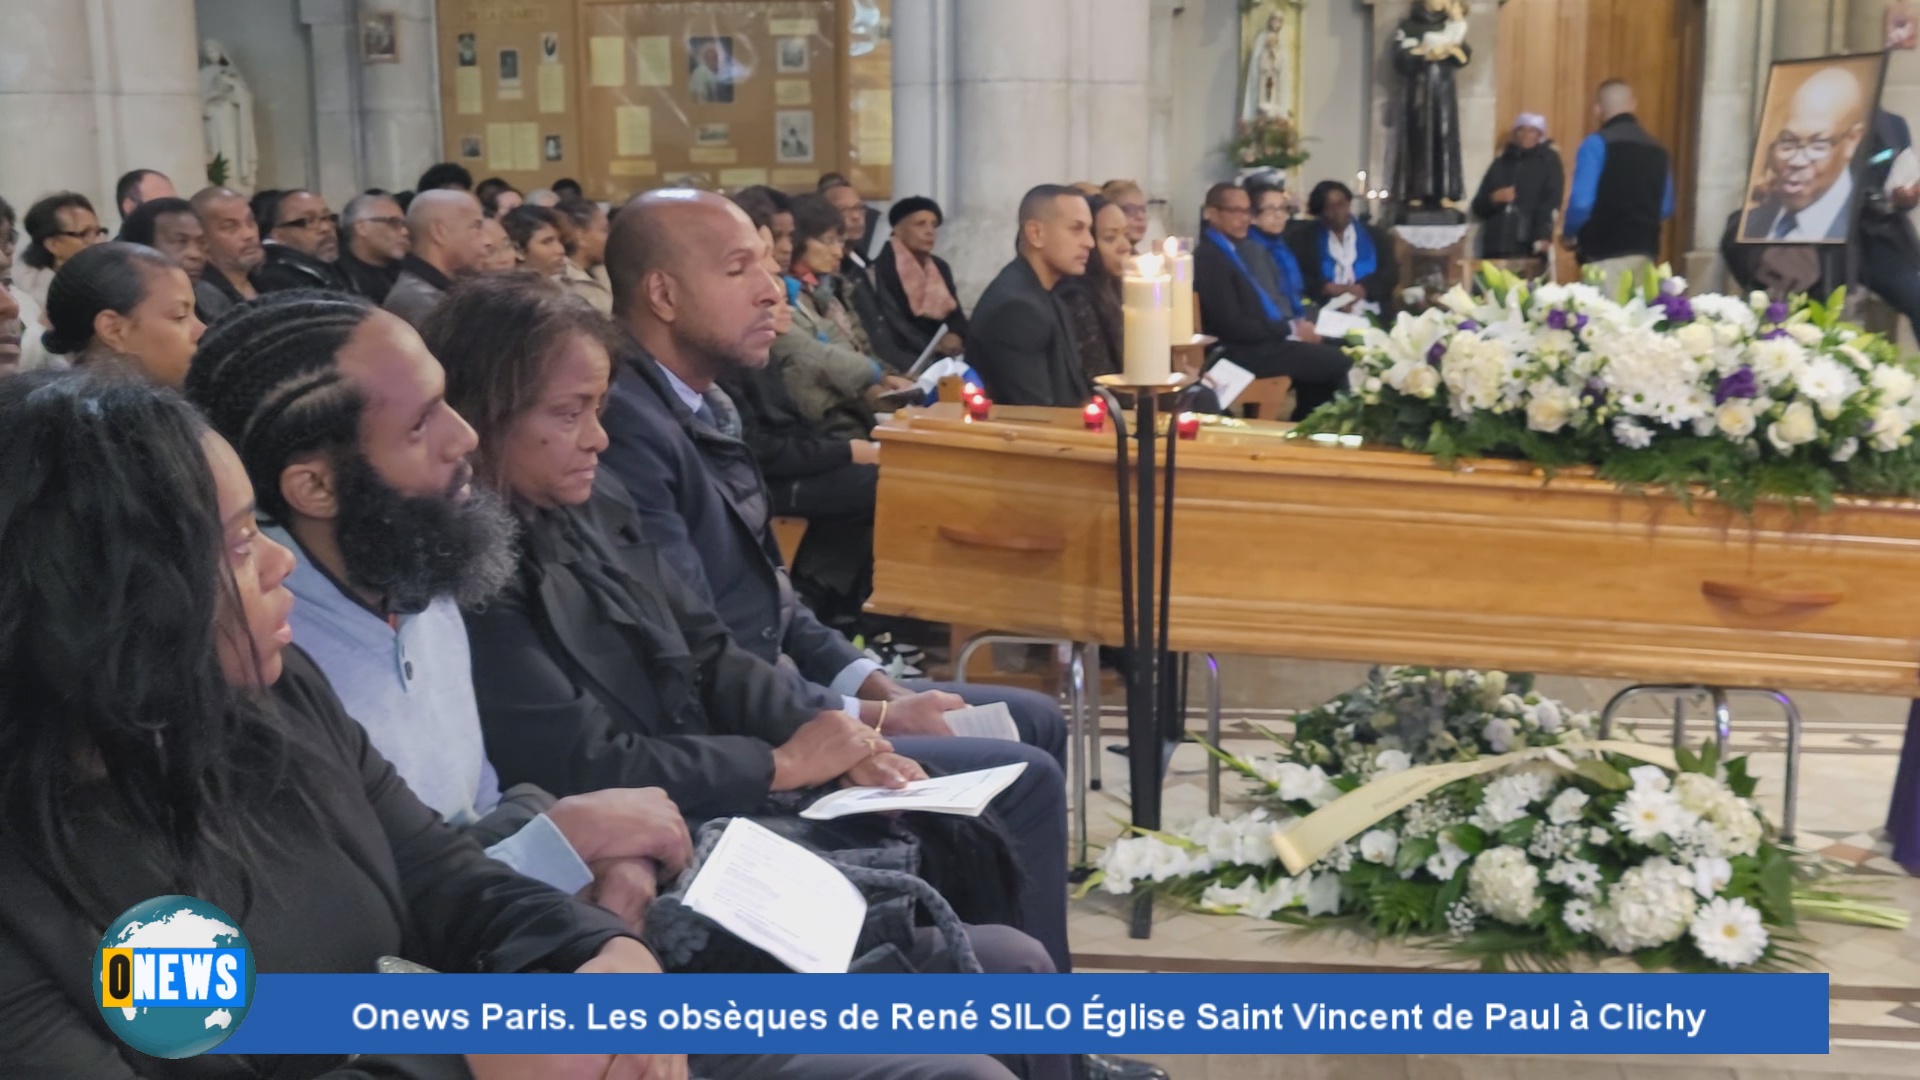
880	725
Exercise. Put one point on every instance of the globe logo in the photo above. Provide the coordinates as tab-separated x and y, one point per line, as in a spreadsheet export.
174	975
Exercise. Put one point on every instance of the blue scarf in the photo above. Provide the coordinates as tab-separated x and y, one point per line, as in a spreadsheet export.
1290	277
1268	303
1364	263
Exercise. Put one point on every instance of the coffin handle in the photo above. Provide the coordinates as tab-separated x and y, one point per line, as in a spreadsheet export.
1002	541
1796	596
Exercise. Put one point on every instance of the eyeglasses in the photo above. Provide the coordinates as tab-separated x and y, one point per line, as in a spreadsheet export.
389	222
1234	211
311	221
82	234
1787	147
1134	210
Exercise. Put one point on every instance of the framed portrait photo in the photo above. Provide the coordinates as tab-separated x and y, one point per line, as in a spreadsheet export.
379	38
1814	129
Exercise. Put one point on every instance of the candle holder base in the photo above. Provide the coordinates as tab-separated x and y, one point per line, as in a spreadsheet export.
1190	357
1179	380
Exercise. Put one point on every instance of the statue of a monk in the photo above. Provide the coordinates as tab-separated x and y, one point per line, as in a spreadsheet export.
1430	46
226	110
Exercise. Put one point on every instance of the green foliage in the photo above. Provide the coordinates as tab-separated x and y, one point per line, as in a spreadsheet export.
217	170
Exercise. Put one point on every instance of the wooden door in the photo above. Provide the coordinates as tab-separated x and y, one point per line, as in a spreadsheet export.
1555	53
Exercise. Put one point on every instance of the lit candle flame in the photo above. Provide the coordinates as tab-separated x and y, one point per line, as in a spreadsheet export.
1147	266
1171	247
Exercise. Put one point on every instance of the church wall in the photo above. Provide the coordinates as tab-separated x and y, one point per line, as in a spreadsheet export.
267	43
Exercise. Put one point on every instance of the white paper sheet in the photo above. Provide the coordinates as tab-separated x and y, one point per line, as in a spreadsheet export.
1227	380
962	794
1336	325
775	894
990	721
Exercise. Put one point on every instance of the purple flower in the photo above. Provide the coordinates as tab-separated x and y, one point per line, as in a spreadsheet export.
1774	334
1740	384
1580	324
1678	308
1595	395
1469	325
1777	312
1556	319
1434	354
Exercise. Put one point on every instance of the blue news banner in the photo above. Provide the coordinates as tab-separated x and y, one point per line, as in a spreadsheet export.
1013	1014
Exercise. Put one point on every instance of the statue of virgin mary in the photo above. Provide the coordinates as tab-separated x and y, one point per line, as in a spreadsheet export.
226	110
1263	89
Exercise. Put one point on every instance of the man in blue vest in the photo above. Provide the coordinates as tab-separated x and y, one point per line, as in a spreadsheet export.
1622	189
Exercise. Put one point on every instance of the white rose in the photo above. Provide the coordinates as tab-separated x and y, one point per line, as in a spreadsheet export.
1728	333
1697	339
1372	385
1548	412
1379	846
1389	762
1498	735
1796	426
1805	333
1734	419
1421	382
1889	428
1845	451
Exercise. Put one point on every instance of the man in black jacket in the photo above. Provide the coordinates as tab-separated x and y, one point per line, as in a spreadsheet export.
302	243
689	290
1022	339
377	242
1257	325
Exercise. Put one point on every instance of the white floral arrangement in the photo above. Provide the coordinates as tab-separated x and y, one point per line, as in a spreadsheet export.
1528	865
1744	397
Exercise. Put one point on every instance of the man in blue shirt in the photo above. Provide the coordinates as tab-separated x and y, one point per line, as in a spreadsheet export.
1622	189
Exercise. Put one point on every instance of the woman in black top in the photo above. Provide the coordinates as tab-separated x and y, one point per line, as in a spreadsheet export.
1092	300
1520	194
142	622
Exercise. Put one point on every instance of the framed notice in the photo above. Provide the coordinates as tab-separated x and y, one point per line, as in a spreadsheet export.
510	71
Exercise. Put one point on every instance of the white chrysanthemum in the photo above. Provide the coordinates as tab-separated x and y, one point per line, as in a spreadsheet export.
1503	883
1729	932
1730	310
1895	383
1579	875
1379	846
1567	806
1797	426
1631	435
1578	915
1697	792
1650	905
1646	815
1446	862
1777	362
1736	831
1710	876
1828	384
1548	716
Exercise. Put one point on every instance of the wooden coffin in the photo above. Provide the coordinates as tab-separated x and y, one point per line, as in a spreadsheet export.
1292	548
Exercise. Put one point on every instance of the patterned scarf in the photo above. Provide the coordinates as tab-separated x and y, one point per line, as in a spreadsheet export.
927	292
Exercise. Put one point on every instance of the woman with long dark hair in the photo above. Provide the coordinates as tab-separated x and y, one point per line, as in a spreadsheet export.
124	302
159	736
1092	300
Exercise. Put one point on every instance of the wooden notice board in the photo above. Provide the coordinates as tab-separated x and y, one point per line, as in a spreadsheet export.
628	95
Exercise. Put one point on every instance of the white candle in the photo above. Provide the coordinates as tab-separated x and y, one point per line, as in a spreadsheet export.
1181	263
1145	296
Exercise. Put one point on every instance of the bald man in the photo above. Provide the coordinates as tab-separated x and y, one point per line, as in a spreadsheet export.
233	253
689	291
449	239
1809	163
1622	189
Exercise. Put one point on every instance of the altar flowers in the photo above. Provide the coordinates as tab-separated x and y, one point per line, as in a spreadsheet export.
1494	825
1743	398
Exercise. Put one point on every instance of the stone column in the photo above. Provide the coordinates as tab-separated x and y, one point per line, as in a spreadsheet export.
923	99
339	151
90	89
1051	92
400	102
1728	74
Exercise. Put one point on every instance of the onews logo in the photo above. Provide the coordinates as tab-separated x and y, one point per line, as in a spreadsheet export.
174	975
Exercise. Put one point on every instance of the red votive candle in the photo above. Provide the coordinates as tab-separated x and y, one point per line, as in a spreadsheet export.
978	407
1188	425
1095	414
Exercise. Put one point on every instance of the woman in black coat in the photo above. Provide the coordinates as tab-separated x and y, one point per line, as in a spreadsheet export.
915	289
1521	193
142	622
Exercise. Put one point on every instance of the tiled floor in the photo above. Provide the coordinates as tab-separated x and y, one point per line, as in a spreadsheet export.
1851	748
